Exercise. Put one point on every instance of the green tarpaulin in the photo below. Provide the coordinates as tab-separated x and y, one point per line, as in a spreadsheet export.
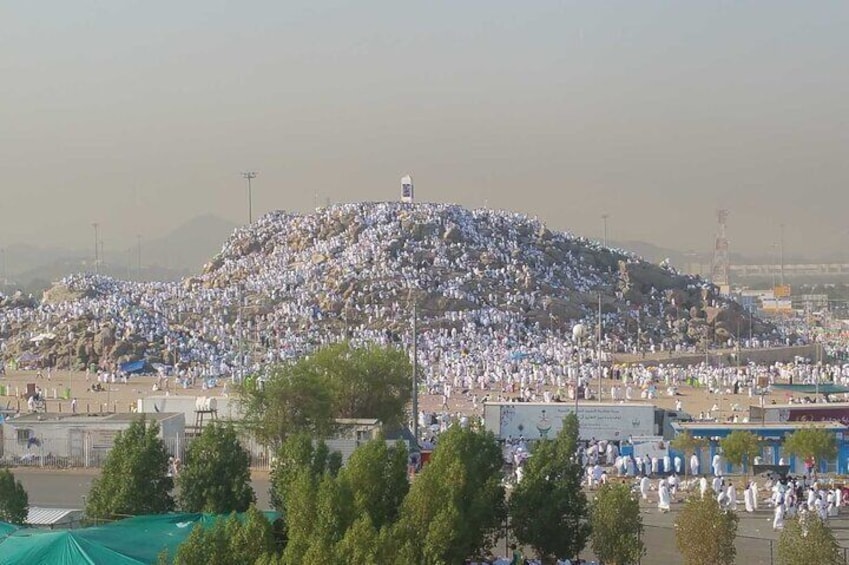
137	540
6	529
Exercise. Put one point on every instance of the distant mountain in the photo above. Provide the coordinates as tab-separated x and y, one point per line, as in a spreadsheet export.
176	254
189	247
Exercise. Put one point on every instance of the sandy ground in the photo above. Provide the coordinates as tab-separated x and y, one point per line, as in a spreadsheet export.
121	397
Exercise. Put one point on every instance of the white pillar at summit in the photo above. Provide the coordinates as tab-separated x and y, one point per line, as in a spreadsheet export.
407	189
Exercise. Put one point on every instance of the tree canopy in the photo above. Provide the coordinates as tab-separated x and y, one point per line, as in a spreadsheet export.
740	446
14	501
337	381
814	442
616	525
808	540
216	476
548	509
134	479
701	515
455	507
230	541
685	443
376	476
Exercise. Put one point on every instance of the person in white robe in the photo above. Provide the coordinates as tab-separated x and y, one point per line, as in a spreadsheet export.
703	486
678	465
673	485
747	499
694	465
732	496
722	499
717	485
716	464
644	487
754	489
663	498
821	509
778	517
838	500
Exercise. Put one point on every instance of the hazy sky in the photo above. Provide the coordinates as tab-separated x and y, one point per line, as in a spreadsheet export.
140	114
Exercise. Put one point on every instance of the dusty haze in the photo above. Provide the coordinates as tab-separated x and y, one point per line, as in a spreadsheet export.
141	115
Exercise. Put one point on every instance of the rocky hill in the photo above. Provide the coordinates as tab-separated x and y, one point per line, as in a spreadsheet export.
483	281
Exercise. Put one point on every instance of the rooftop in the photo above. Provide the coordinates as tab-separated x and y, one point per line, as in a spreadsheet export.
756	425
68	418
811	406
52	516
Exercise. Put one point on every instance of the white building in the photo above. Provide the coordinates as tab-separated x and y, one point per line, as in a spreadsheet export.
79	440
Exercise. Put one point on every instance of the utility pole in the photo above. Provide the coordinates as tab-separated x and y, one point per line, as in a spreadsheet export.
5	276
248	175
415	374
598	347
95	225
604	219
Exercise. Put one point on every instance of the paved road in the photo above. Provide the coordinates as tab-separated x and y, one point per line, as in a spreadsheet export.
68	488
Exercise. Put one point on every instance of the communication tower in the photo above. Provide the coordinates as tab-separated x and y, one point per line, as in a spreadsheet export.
721	264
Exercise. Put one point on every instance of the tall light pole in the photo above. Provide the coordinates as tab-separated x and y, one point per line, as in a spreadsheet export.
248	175
598	347
5	277
415	374
95	225
604	219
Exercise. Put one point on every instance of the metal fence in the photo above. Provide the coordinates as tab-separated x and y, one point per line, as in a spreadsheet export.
89	452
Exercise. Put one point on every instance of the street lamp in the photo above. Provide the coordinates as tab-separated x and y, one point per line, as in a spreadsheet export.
248	175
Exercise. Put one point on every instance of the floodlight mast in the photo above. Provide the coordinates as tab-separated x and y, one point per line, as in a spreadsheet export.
248	175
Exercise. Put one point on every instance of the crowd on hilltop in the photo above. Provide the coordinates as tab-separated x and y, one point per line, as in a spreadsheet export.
483	281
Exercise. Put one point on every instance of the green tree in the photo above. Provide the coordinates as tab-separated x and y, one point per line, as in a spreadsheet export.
229	541
548	509
368	382
299	454
14	501
337	381
685	443
293	399
698	517
376	476
740	447
616	525
206	546
814	442
808	541
251	537
455	507
134	478
216	477
360	544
